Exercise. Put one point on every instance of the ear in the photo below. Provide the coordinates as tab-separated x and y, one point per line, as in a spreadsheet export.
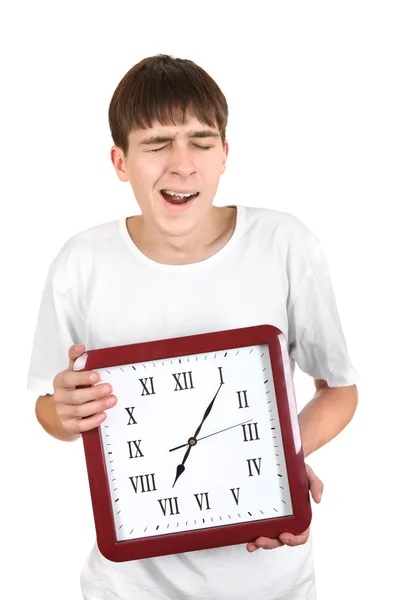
226	151
119	161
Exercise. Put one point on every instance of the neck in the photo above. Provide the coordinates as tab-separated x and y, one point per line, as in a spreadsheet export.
200	243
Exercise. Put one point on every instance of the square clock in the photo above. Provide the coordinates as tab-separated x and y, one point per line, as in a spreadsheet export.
203	447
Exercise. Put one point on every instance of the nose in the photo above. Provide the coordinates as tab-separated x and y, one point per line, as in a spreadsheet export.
182	161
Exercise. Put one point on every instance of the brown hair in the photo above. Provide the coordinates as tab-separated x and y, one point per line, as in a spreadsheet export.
155	88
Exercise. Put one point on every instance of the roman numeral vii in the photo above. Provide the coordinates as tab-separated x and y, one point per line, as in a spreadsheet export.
169	504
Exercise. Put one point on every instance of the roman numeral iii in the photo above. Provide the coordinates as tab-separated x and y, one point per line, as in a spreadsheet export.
148	388
254	463
184	381
250	432
169	505
202	500
144	483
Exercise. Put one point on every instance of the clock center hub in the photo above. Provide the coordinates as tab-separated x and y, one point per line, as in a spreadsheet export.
192	441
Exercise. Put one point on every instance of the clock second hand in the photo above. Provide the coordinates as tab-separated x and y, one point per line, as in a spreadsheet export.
206	436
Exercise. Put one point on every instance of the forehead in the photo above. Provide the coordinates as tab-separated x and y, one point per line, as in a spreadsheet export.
189	127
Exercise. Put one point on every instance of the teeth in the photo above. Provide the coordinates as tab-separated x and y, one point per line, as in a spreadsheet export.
171	193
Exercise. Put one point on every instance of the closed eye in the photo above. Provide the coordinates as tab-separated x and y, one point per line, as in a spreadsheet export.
196	145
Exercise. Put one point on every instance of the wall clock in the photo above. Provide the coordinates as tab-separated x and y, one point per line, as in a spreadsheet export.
203	447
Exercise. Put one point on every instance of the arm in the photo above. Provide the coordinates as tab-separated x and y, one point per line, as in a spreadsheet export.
326	415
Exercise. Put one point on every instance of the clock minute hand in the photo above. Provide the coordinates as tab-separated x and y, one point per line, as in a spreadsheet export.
215	433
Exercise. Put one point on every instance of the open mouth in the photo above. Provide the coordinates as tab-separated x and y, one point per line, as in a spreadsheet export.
176	198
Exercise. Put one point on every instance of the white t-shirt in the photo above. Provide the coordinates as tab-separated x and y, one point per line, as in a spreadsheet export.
102	291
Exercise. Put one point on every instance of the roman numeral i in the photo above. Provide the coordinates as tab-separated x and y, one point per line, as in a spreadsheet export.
187	382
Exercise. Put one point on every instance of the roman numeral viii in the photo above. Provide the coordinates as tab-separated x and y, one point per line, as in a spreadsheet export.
146	483
139	453
185	383
256	463
243	399
146	391
169	505
202	500
250	432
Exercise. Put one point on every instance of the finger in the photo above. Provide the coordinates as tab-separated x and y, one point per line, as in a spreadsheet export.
264	543
76	426
76	397
87	409
315	484
74	352
69	379
295	540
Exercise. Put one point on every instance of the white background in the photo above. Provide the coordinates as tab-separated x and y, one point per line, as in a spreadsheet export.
313	92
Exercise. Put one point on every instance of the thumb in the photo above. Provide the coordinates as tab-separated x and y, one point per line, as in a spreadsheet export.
74	352
315	484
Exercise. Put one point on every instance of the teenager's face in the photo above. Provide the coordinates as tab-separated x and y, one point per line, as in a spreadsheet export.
186	158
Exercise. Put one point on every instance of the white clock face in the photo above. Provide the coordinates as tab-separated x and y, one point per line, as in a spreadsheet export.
194	442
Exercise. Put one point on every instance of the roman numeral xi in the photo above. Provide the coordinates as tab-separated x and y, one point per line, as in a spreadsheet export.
147	388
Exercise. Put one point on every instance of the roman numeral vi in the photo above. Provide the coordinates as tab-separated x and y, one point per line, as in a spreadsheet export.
203	497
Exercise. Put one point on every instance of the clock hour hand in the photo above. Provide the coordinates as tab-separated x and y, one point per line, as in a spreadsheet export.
206	436
180	468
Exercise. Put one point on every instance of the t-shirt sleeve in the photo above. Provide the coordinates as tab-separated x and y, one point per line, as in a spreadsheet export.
316	340
57	329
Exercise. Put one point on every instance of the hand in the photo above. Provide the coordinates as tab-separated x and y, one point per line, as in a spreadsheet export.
80	409
316	488
193	441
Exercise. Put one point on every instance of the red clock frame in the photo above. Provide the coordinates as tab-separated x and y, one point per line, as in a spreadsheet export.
223	535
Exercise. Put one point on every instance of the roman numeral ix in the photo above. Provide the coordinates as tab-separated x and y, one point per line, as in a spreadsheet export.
203	498
145	390
250	432
139	453
169	504
146	483
187	382
256	463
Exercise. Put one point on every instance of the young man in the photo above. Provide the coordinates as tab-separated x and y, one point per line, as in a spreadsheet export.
184	267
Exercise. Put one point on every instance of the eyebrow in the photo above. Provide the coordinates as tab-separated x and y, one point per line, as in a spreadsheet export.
159	139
